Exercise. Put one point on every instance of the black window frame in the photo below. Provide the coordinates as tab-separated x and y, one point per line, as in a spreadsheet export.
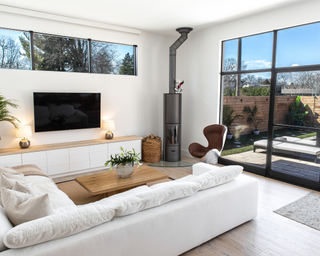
267	172
31	33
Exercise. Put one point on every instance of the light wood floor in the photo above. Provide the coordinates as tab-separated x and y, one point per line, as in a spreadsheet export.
269	234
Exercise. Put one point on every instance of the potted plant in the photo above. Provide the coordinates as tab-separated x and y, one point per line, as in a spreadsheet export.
228	119
296	114
124	162
5	113
253	117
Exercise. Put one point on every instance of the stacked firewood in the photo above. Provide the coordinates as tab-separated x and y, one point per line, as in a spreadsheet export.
151	149
152	138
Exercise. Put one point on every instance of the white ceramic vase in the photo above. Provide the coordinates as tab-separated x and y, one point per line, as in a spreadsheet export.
124	171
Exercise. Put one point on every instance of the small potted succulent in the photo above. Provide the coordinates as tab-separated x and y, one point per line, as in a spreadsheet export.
124	162
229	118
253	117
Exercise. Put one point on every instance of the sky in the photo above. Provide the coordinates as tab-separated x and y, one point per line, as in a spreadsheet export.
295	47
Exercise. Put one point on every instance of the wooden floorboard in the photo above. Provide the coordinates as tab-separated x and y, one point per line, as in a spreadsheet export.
269	234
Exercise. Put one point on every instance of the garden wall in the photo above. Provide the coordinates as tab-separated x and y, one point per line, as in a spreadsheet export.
281	110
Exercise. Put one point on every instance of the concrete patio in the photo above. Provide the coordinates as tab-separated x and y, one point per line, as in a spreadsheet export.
303	168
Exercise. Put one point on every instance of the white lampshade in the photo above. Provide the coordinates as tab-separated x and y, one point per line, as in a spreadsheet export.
24	131
108	125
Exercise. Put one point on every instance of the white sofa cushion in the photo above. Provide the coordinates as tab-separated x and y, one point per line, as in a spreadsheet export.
153	197
5	226
21	207
43	185
217	176
58	225
200	168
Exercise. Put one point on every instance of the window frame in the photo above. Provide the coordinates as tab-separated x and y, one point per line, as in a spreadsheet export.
268	172
31	33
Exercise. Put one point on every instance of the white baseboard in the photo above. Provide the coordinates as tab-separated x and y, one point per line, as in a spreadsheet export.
185	152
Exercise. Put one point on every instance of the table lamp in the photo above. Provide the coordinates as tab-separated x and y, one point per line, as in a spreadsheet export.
108	125
24	132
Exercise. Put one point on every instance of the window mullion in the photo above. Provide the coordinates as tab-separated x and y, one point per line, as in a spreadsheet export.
33	65
90	55
238	90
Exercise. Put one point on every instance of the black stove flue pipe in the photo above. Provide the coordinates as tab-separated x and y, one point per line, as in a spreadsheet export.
172	107
172	62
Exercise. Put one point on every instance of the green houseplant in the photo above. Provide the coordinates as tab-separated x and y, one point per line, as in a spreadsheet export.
253	117
124	162
296	114
229	118
5	113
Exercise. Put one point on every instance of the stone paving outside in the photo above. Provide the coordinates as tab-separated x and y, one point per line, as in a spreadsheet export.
292	166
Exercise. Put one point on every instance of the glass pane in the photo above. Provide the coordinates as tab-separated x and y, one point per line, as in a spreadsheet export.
246	117
299	96
229	84
230	59
112	58
295	150
256	51
56	53
295	153
14	49
298	46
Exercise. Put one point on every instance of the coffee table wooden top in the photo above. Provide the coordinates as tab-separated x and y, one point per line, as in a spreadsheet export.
107	182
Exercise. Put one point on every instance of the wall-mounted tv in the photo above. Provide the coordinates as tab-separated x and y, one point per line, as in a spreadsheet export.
56	111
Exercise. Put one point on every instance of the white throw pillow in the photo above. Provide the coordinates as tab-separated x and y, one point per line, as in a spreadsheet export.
8	180
5	226
58	225
23	187
21	207
9	170
218	176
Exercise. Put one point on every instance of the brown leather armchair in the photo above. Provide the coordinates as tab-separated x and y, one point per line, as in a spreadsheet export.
216	136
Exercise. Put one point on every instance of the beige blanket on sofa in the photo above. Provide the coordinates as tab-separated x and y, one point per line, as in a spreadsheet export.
29	169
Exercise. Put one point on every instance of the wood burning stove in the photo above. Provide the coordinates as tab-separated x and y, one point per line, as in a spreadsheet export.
172	106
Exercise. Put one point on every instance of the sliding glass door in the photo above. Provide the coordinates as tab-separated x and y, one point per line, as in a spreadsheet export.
271	84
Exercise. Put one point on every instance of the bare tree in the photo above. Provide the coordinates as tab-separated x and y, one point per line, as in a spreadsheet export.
105	58
10	56
251	79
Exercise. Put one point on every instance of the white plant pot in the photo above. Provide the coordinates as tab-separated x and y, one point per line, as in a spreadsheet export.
229	136
124	171
256	132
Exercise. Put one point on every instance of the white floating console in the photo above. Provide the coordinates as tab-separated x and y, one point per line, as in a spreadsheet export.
63	159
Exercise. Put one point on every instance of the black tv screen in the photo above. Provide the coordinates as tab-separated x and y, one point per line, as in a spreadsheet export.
66	111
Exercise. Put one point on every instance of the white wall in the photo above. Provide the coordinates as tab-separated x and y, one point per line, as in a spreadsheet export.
198	63
133	102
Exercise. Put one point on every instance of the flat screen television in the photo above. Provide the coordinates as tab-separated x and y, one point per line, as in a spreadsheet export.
66	111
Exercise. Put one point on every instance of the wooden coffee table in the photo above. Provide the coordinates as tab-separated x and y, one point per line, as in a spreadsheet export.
109	183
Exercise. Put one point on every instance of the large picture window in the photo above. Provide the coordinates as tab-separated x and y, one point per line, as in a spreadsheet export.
270	86
38	51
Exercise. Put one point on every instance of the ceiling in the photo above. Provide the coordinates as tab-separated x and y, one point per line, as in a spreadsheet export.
156	16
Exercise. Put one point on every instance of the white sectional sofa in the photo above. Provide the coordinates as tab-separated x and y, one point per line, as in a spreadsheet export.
165	219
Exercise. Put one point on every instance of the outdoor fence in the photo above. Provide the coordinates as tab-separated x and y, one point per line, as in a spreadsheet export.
282	104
